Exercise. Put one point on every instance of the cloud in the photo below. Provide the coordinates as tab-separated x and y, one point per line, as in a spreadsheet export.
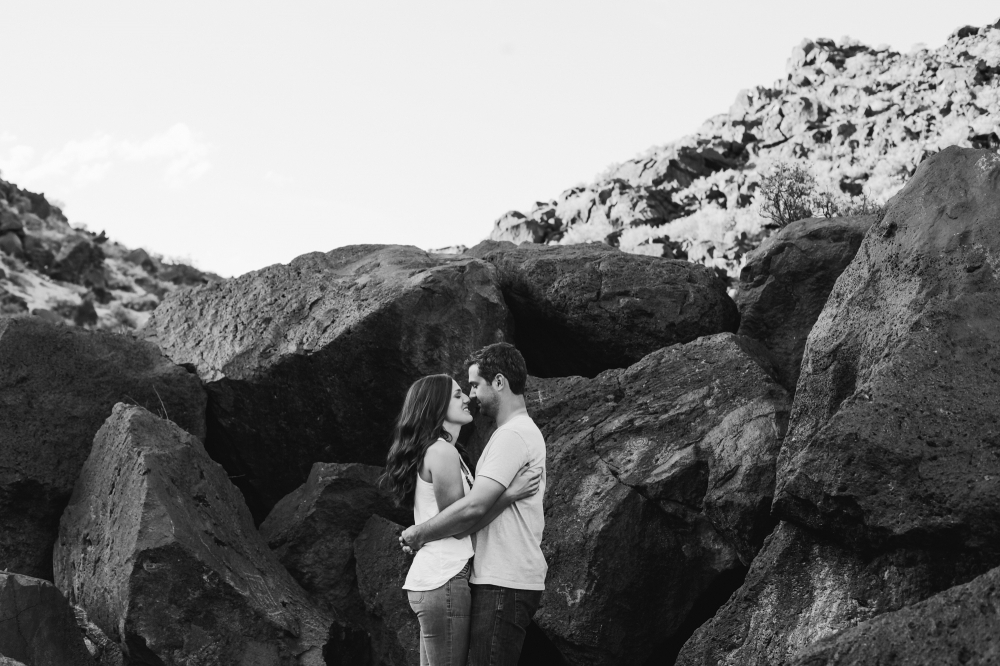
180	153
276	178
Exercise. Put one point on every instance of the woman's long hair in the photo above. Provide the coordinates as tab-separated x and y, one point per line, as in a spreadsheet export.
420	424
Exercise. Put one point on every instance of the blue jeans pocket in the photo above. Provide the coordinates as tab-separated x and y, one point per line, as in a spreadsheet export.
415	598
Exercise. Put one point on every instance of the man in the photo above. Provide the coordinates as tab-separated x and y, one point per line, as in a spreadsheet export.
508	571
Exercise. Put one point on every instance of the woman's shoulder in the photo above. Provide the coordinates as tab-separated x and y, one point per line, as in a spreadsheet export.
443	450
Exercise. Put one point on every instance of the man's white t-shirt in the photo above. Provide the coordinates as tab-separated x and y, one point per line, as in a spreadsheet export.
508	550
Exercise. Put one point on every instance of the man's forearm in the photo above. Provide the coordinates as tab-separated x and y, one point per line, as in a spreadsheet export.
455	519
498	507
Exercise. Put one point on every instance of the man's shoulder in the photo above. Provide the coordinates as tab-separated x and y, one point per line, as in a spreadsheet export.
525	428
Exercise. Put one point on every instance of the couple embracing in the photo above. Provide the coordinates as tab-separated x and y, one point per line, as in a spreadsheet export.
478	572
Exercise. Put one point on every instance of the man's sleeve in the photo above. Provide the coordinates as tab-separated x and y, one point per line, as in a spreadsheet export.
507	454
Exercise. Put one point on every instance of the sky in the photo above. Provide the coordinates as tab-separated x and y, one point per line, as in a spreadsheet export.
235	135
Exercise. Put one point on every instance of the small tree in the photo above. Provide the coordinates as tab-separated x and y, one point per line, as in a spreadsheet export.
786	194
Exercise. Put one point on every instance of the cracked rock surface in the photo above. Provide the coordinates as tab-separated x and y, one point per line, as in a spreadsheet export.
660	479
57	385
584	309
309	362
160	551
37	627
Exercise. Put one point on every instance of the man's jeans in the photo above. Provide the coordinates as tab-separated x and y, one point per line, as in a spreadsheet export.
500	618
444	621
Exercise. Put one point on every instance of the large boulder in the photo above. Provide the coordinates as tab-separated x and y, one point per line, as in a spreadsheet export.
659	485
803	587
309	362
786	281
312	530
894	435
78	257
57	386
582	309
959	626
158	548
37	626
381	570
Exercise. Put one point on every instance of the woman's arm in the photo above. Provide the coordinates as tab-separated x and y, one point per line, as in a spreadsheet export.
443	462
524	484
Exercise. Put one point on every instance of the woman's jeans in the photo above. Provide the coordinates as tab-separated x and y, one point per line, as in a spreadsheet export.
444	621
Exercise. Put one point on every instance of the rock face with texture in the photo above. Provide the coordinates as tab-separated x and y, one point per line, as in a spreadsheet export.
961	625
381	570
158	548
37	627
786	282
894	437
660	479
309	362
583	309
312	530
57	385
803	587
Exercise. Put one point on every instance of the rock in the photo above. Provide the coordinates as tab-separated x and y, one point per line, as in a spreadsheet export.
47	316
37	626
786	281
85	314
39	255
183	275
309	362
960	625
140	257
894	435
76	257
381	570
582	309
103	650
39	205
803	587
10	222
12	304
57	385
158	548
312	530
10	244
660	479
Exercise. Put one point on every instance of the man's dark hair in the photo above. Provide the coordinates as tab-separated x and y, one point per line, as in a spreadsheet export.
501	359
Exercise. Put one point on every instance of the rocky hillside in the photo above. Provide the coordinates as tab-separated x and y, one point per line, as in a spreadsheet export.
859	118
67	274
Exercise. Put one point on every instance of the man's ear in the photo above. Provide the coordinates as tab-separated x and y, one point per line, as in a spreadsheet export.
499	382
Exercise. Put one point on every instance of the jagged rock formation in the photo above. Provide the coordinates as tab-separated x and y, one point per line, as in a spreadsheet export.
57	385
73	276
158	548
312	530
860	118
310	361
584	309
660	479
37	626
786	281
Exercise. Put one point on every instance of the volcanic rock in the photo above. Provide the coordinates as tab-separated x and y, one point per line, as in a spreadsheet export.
660	479
786	281
77	257
157	546
582	309
803	587
960	625
57	386
11	304
10	244
312	530
37	626
894	437
381	571
309	362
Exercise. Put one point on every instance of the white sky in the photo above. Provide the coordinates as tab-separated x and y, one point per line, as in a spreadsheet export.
240	134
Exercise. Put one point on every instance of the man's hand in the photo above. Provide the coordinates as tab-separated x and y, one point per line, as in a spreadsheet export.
409	540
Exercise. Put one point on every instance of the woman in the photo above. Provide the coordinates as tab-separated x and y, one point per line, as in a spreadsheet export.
425	470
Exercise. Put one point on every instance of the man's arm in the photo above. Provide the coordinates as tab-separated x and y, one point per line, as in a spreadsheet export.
459	517
525	484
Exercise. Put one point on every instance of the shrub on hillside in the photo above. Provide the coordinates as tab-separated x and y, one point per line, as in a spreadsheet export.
790	192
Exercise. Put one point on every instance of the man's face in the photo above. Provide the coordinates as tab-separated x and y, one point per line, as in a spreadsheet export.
481	391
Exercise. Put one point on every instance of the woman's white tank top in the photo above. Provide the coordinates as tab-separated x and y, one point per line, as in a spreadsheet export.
438	561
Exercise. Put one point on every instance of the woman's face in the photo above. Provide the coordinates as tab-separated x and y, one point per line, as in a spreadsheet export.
458	406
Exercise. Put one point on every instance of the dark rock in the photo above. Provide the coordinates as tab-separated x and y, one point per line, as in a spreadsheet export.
183	275
10	244
803	587
37	626
47	316
960	626
85	314
76	257
582	309
158	548
103	650
39	204
10	222
309	362
381	571
57	385
12	304
312	530
140	257
660	479
786	282
894	437
39	255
